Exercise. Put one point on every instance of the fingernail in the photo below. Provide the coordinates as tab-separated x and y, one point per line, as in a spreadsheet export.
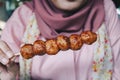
4	61
10	54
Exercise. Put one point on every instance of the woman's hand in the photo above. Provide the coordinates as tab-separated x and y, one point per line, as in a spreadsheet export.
8	68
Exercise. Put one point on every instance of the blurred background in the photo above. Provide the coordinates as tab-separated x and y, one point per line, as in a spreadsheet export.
8	6
6	9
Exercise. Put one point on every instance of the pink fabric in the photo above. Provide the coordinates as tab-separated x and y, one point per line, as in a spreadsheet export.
66	65
54	22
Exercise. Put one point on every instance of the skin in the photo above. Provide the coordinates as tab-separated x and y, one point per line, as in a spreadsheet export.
68	5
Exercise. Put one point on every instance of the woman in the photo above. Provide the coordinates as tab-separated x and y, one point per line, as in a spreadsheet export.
46	19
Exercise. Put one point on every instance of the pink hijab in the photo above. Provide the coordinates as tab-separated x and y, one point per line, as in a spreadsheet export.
53	22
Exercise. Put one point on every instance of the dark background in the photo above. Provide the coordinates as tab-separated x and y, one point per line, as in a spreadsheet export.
117	3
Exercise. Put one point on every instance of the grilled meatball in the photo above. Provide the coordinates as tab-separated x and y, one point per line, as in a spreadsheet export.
63	42
88	37
27	51
75	42
51	47
39	47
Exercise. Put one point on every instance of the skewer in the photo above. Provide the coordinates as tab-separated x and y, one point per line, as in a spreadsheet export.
52	46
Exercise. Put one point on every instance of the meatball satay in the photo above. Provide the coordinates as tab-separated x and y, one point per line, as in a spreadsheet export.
75	42
27	51
88	37
51	47
39	47
63	42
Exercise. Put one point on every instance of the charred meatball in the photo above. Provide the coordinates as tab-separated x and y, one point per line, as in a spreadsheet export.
75	42
27	51
51	47
63	42
88	37
39	47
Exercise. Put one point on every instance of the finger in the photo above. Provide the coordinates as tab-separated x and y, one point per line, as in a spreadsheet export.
6	49
15	57
3	58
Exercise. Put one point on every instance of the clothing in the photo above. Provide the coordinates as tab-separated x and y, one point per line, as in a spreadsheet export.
102	63
85	18
54	68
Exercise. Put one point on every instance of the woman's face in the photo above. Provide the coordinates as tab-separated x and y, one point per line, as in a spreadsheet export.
68	5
